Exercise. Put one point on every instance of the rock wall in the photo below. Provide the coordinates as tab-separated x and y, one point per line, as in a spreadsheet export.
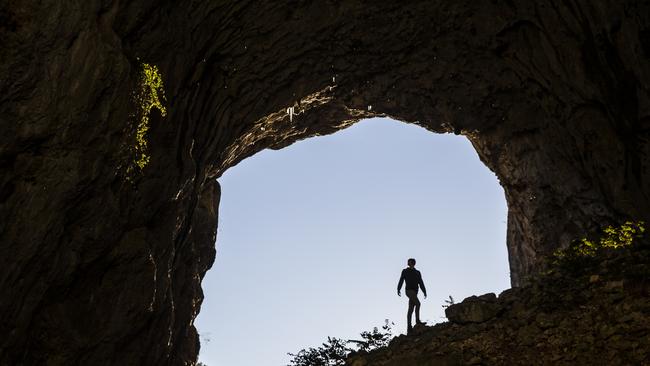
102	259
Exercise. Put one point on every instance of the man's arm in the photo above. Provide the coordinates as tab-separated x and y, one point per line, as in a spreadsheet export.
399	284
424	289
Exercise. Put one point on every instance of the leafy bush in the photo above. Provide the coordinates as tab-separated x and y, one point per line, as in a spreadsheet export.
375	339
611	238
335	351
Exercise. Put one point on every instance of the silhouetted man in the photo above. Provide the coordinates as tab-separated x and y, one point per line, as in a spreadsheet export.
413	279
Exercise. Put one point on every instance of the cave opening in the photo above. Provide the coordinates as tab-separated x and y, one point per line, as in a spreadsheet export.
312	238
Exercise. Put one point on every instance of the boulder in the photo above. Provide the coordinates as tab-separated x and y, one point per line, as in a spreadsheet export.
474	309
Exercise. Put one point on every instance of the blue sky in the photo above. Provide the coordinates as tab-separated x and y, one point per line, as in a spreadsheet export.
312	239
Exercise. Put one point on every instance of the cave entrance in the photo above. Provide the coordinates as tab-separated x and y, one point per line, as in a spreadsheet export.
312	238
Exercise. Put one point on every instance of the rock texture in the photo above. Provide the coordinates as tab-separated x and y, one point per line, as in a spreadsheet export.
99	269
597	315
475	309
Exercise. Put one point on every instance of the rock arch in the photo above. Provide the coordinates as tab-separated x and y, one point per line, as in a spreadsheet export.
554	96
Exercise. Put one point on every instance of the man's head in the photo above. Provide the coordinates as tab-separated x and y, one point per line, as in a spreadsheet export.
411	262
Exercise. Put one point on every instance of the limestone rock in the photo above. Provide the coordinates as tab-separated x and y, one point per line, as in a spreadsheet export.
475	309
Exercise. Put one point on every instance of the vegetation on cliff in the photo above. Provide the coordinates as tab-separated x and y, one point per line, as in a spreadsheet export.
335	351
610	238
149	94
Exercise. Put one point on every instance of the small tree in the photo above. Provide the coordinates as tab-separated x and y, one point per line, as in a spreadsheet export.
336	350
331	353
376	338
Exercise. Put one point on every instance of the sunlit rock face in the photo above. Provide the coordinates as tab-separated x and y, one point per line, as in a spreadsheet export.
102	259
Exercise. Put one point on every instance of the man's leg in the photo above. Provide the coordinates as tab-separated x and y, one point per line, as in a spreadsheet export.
409	315
414	303
417	311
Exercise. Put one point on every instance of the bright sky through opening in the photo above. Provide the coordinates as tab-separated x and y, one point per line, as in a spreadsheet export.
312	239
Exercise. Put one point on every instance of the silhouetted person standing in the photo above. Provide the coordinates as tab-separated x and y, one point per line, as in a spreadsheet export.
413	280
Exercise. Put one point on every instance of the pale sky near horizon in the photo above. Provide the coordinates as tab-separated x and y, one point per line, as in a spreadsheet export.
312	239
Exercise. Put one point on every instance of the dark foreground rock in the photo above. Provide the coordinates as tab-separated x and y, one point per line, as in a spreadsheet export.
596	315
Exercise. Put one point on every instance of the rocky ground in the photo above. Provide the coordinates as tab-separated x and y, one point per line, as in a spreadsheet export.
596	312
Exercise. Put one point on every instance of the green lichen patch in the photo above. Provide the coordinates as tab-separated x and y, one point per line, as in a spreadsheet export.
149	93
